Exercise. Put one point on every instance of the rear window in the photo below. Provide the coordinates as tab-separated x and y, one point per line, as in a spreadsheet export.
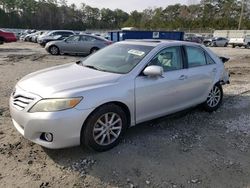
196	57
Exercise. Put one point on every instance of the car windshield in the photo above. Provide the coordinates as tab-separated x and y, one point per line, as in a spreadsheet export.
117	58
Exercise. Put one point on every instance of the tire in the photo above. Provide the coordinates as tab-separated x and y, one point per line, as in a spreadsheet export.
214	99
98	132
93	50
248	46
226	45
213	44
54	50
233	45
1	40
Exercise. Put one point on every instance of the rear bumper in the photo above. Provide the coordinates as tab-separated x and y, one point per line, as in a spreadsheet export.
11	40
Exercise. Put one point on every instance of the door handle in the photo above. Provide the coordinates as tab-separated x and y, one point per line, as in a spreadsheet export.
214	70
182	77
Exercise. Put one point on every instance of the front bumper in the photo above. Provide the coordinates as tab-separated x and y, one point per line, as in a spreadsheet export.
64	125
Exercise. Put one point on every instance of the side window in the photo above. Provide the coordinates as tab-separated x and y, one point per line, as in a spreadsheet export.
54	34
209	60
90	38
66	34
195	57
73	39
83	38
169	59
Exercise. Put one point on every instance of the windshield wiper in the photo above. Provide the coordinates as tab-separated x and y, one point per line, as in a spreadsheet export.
92	67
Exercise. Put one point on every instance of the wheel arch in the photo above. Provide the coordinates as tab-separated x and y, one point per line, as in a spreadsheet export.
2	39
54	45
122	105
95	47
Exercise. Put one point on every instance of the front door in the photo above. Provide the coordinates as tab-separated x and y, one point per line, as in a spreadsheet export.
158	96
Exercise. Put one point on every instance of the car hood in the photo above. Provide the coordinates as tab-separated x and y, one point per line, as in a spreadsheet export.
65	80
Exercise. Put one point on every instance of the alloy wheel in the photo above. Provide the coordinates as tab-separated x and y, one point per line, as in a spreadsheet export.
214	97
107	129
54	50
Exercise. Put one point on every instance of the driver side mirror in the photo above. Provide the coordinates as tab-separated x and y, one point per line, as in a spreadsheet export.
153	70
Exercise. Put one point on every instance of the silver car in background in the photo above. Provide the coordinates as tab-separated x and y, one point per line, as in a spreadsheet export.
54	35
216	42
78	44
92	102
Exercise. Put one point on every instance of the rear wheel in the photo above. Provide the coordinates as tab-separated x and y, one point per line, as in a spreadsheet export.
214	98
1	40
226	45
54	50
248	45
104	128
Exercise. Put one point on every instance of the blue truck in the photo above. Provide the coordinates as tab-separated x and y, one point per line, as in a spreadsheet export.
131	34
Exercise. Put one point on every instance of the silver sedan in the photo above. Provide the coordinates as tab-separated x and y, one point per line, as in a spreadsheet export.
92	102
78	44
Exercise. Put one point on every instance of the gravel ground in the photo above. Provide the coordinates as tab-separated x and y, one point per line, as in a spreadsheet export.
190	149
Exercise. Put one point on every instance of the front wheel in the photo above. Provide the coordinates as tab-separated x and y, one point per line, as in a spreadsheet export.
54	50
1	40
214	98
104	128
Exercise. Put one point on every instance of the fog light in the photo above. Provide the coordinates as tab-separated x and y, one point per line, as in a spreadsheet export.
48	137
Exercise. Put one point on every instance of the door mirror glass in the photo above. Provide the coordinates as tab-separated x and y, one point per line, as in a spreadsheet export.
153	70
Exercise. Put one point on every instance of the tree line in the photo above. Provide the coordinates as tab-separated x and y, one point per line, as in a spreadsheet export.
57	14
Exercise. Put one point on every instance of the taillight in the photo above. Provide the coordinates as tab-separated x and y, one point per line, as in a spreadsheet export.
109	42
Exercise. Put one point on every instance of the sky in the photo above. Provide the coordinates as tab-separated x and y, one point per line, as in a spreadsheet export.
130	5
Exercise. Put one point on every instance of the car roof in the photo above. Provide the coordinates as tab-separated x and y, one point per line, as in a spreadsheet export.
70	31
94	36
155	42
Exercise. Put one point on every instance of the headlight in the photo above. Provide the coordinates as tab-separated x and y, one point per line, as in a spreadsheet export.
52	105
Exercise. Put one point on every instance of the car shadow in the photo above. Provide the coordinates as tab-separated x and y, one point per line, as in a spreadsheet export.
172	149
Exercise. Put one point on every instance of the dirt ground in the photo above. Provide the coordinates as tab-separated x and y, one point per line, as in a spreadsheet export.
191	149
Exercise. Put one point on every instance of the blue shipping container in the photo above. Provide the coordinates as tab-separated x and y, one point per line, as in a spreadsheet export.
123	35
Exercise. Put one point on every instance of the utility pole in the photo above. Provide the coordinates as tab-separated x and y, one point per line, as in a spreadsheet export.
241	13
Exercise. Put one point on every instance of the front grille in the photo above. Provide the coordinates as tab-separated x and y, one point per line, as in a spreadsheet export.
21	101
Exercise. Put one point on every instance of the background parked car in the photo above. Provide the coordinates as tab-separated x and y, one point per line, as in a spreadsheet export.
216	41
193	39
247	41
7	36
36	35
54	35
77	44
241	41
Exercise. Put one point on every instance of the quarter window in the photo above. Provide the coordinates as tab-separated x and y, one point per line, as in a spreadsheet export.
209	60
195	57
169	59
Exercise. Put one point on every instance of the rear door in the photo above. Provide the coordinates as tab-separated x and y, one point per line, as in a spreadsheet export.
220	42
87	43
71	44
200	74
